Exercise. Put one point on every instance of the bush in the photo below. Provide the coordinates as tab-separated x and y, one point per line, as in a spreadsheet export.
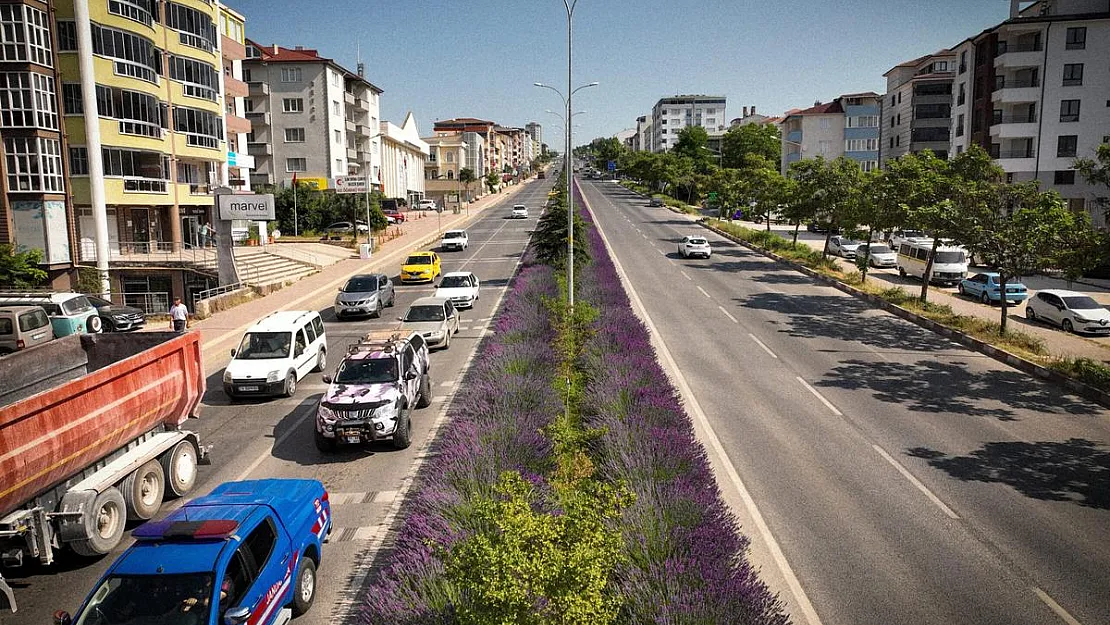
1092	372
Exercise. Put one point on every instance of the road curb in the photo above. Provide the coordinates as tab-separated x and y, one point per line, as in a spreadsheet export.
1022	364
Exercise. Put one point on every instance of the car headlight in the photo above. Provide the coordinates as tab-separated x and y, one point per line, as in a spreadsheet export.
388	411
337	300
326	415
273	376
227	376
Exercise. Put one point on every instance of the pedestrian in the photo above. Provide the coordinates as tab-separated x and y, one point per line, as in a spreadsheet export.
204	234
179	316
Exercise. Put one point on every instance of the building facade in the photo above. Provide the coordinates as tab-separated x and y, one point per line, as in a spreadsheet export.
404	157
670	115
847	126
486	149
917	106
235	171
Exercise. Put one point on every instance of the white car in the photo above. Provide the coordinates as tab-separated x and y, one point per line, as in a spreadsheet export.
276	353
461	287
520	211
454	240
426	205
694	246
881	255
435	318
843	246
1072	311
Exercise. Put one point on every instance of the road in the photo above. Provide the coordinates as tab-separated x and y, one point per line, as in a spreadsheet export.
273	438
885	474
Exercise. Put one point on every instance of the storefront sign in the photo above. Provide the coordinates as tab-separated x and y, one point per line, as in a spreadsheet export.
256	207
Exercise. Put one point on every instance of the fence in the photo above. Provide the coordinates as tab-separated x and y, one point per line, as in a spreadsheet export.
149	303
213	292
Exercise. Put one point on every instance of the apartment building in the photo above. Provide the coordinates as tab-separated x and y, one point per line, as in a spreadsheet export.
404	157
310	117
447	156
644	140
917	106
235	171
670	115
36	211
483	156
535	131
847	126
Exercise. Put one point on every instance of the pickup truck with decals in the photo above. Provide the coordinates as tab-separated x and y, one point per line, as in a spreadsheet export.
247	553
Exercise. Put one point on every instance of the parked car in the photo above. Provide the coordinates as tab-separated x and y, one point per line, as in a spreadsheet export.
396	215
814	226
116	317
461	287
70	313
987	289
248	551
896	238
843	246
1072	311
435	318
421	267
881	254
427	205
23	327
455	240
694	246
519	211
949	264
655	201
365	294
275	354
345	228
380	381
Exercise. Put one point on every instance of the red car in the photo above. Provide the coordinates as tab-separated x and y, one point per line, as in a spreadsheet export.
395	214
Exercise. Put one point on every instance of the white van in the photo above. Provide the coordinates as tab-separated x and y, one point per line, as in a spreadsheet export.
276	353
949	265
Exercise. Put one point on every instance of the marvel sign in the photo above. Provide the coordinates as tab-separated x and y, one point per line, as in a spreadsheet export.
254	206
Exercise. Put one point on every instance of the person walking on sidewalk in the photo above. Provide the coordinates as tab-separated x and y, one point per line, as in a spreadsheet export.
179	316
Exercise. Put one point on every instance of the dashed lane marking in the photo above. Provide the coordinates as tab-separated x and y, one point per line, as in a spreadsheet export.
921	487
763	345
828	404
685	275
705	293
729	315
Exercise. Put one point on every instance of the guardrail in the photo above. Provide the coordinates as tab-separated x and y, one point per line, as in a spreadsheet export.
150	303
214	292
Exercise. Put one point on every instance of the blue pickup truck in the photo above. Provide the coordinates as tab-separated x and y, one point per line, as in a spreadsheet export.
245	554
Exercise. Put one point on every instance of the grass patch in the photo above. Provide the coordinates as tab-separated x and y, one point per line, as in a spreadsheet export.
1085	370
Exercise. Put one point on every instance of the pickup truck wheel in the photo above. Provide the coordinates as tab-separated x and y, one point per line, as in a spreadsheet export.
143	491
323	443
425	398
290	384
402	437
104	522
179	467
305	592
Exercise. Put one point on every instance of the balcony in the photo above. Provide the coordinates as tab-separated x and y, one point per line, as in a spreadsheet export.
365	131
1019	55
259	118
258	88
237	125
349	98
1015	160
362	104
235	88
794	136
1016	91
232	50
145	185
351	126
364	157
352	154
260	149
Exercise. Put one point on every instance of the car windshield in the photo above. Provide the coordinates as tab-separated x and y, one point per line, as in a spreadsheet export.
97	301
1081	302
76	305
33	320
950	258
142	599
879	249
360	285
454	235
848	242
425	313
264	345
367	371
454	282
419	260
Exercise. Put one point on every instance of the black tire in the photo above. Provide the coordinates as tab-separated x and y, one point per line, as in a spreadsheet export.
986	299
179	468
902	272
304	592
1030	314
321	360
104	522
425	394
378	310
447	340
960	289
290	384
402	437
324	443
392	299
143	491
1067	326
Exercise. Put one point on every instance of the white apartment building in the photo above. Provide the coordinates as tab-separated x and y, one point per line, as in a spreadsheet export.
235	171
917	106
847	126
404	156
670	115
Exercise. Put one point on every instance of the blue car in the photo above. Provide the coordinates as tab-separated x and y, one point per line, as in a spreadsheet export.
245	554
985	288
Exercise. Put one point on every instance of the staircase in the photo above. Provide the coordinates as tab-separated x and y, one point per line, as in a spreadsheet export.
258	267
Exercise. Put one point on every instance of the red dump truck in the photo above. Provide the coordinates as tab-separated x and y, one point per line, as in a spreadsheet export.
91	437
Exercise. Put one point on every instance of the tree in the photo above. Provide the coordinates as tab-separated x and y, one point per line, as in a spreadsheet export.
550	237
1097	170
879	209
605	149
20	270
467	178
492	180
740	141
829	191
764	187
804	200
693	143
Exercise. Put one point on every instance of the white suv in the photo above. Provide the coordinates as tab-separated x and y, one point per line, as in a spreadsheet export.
276	353
520	211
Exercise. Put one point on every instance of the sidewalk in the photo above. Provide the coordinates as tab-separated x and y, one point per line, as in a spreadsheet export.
223	329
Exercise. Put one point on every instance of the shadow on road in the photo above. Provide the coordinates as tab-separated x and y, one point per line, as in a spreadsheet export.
1075	470
951	387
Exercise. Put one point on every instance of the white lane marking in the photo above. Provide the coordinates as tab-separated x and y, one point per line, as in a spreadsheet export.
714	442
447	383
729	315
1056	607
685	275
916	482
643	235
662	252
703	292
764	346
386	496
827	403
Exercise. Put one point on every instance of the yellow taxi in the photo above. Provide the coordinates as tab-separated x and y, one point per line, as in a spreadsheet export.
421	267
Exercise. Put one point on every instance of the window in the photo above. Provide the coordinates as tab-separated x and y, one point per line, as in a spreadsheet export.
67	36
861	145
963	61
1069	110
869	165
1073	74
932	111
933	88
27	100
138	113
897	140
1076	38
335	110
199	79
899	118
290	74
292	105
892	100
339	164
294	135
25	35
202	129
338	136
825	123
892	121
195	28
962	97
930	134
450	158
295	164
260	543
72	102
824	147
337	79
1067	145
79	161
863	121
134	56
34	165
1065	176
892	142
141	11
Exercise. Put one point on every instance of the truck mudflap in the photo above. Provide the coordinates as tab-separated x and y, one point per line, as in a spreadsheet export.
7	599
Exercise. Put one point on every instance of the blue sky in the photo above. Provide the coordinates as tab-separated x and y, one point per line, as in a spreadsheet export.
479	58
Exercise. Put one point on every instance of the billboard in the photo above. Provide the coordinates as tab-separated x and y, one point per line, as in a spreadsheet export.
351	184
252	206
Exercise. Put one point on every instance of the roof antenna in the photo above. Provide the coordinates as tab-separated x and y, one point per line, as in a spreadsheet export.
361	69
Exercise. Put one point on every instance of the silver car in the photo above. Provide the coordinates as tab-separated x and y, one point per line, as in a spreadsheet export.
364	294
435	318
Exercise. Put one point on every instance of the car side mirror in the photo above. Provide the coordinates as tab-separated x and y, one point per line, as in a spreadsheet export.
326	378
61	617
237	616
233	353
411	375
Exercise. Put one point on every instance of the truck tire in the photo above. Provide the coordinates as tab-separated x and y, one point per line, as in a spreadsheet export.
402	437
304	593
104	520
179	468
425	398
323	443
143	491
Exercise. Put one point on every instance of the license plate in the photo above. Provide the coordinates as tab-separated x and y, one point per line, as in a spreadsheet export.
248	389
352	439
354	310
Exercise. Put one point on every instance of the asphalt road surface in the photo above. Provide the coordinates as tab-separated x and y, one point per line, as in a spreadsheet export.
892	476
273	438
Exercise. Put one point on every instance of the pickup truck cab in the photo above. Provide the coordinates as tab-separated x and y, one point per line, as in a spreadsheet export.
245	553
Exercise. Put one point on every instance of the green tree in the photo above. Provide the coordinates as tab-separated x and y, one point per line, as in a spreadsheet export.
549	241
604	149
830	191
20	270
1097	170
740	141
879	209
693	143
804	200
492	180
467	178
765	188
